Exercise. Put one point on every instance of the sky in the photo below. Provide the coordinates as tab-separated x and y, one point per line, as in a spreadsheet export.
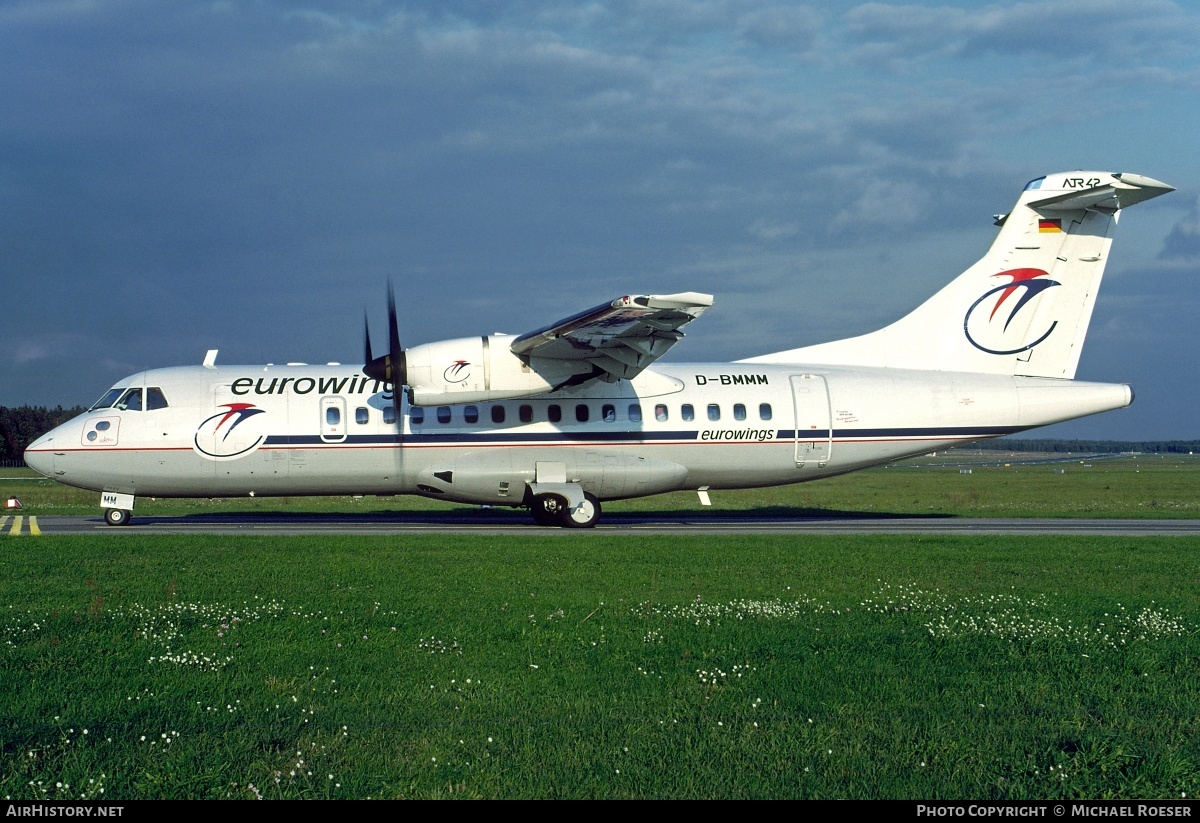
248	175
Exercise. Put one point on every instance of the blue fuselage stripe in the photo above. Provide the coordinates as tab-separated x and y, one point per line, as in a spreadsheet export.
493	437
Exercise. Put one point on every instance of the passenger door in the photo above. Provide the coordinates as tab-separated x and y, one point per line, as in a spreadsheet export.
814	432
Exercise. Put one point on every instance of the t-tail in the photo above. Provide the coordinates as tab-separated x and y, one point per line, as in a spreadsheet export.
1024	308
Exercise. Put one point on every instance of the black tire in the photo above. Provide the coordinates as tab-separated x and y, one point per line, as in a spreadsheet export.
116	517
548	510
584	517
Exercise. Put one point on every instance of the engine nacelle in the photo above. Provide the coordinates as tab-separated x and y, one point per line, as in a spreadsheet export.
478	369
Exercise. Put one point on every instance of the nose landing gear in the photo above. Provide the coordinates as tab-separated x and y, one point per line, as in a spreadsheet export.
117	517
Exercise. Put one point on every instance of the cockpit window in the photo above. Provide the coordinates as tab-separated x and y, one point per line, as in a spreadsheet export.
131	401
109	398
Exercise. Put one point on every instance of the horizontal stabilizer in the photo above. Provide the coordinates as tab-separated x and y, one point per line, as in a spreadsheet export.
1122	192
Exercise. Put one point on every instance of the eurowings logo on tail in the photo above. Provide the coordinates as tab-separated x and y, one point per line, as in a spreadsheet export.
222	437
992	324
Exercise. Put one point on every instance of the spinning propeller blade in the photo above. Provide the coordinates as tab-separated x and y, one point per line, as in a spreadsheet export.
389	367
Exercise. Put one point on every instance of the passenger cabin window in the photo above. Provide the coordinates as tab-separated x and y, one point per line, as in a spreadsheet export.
687	412
739	411
660	413
333	415
764	411
362	416
714	411
609	412
497	414
635	413
443	414
389	415
525	412
416	416
554	413
581	413
471	414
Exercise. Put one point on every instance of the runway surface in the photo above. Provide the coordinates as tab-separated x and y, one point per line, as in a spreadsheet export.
510	523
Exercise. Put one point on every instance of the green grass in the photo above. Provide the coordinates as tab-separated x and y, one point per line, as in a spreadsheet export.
1152	486
585	666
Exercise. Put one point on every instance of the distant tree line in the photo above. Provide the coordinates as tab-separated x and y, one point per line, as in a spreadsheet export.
1087	446
21	425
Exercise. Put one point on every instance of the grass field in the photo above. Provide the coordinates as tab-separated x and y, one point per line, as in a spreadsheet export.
138	666
1158	486
584	666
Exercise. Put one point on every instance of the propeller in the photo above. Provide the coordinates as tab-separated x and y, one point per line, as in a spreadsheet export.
390	367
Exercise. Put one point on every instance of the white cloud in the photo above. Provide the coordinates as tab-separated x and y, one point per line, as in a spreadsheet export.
1097	30
891	205
272	165
1183	243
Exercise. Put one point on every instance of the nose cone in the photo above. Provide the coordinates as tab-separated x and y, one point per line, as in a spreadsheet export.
39	455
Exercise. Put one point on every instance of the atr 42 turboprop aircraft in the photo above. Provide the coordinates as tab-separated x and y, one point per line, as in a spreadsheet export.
562	418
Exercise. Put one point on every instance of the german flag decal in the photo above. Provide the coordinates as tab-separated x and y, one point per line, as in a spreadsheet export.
1049	225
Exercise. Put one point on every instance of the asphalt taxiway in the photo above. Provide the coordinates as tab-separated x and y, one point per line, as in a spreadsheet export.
496	522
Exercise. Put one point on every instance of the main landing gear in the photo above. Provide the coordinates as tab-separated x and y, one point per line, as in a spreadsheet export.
552	510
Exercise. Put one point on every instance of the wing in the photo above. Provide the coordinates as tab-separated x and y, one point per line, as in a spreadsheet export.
619	339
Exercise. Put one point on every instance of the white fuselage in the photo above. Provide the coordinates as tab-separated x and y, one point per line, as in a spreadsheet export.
321	430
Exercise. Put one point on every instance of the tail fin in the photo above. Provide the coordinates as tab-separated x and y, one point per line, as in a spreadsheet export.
1024	308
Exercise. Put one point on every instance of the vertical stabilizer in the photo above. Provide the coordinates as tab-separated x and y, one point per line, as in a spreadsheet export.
1024	308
